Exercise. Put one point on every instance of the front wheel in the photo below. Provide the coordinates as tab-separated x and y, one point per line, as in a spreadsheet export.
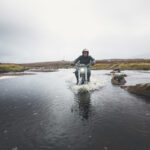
82	79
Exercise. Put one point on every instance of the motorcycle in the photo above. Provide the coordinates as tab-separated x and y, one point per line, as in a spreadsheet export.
82	74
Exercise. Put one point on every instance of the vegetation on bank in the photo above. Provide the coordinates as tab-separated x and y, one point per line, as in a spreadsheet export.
122	66
110	64
135	66
100	65
4	68
48	65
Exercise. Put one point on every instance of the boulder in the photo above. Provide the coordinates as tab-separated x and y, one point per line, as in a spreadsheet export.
139	89
118	79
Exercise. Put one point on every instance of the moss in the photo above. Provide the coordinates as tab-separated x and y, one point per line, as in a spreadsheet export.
4	68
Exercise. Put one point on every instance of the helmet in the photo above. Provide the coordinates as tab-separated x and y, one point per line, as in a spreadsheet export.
85	50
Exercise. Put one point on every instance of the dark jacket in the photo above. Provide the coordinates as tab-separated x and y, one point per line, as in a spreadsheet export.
84	60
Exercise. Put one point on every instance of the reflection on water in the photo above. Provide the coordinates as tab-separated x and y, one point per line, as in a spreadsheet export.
83	99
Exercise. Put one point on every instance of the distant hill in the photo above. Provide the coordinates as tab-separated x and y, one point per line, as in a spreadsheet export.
51	64
122	60
129	64
66	63
109	64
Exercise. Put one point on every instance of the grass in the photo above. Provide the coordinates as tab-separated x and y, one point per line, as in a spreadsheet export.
108	66
4	68
101	66
134	66
122	66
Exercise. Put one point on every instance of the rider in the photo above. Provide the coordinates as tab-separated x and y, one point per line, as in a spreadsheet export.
84	59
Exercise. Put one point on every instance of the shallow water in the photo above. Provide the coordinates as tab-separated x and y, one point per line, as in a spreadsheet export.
47	111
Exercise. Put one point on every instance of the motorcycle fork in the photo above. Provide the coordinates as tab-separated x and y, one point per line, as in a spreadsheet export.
79	76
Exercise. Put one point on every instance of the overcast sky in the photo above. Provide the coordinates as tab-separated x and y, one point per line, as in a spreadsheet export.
47	30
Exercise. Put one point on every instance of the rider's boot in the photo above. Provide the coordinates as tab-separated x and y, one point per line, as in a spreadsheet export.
88	79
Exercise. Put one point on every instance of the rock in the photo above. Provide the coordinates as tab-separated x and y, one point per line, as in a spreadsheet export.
112	72
117	70
118	79
139	89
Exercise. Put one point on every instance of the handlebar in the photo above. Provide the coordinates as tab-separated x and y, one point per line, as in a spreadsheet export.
83	65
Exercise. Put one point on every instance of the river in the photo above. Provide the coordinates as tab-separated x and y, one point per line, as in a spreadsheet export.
47	111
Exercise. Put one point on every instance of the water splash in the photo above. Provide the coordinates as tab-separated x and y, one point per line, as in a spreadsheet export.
93	85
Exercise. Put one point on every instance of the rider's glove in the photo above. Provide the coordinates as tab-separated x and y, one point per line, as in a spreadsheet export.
92	63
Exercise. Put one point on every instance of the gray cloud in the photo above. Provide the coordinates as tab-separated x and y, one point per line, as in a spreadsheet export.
44	31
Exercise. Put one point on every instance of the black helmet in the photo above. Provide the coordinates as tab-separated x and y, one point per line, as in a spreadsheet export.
85	50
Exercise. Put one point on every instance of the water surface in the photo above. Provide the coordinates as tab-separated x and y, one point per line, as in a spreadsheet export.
46	111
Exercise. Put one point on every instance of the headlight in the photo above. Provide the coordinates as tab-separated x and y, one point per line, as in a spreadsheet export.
82	70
